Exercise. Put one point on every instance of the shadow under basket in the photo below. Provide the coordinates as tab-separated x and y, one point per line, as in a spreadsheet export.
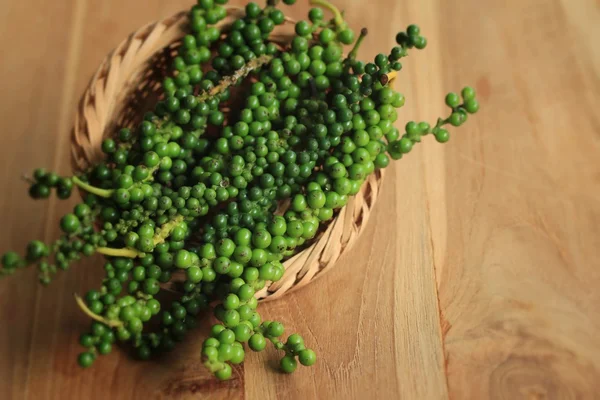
128	83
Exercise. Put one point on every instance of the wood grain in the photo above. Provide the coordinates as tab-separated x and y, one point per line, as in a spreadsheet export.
519	275
478	275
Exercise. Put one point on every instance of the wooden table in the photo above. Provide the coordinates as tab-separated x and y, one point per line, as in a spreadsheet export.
477	277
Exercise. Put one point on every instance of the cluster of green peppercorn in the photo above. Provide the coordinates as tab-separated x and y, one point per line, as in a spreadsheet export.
196	186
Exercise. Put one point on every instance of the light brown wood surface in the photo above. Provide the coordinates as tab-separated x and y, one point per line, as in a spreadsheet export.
478	276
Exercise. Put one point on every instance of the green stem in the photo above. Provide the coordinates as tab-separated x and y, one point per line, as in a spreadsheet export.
143	296
166	230
277	343
28	179
162	234
440	123
213	366
149	178
106	193
88	312
361	37
338	18
125	252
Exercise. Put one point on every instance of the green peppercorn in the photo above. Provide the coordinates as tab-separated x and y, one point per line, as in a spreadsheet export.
70	223
288	364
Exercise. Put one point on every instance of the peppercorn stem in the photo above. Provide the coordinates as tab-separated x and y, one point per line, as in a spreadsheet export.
88	312
361	37
440	122
277	343
28	179
237	75
142	295
106	193
338	18
166	230
125	252
159	238
214	366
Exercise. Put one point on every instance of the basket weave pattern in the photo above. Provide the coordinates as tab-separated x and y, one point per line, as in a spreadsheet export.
128	83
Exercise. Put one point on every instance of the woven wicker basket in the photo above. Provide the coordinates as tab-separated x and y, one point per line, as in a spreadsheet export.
127	84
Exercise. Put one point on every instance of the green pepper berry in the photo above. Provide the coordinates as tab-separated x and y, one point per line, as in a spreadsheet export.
36	250
307	357
242	333
225	352
471	106
253	10
405	145
277	17
275	329
238	355
413	30
10	260
452	100
419	42
468	93
70	223
294	340
261	239
224	373
231	302
381	60
225	247
154	306
456	119
183	259
346	36
442	135
194	274
151	286
98	329
109	146
231	318
257	342
87	340
211	352
86	359
104	348
315	14
288	364
222	265
39	191
259	257
226	336
216	330
303	28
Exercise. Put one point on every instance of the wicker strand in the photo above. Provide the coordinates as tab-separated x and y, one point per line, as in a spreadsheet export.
127	84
